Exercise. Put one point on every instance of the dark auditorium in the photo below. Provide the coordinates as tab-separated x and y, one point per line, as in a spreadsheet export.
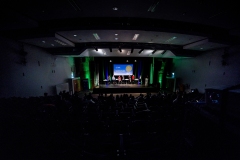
124	80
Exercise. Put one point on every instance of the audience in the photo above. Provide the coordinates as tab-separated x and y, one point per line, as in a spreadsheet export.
152	125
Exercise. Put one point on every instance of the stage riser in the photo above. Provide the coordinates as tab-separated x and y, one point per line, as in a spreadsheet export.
123	90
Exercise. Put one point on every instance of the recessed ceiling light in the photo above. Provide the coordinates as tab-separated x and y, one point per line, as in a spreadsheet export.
43	41
96	36
75	35
116	34
171	39
115	8
135	37
60	42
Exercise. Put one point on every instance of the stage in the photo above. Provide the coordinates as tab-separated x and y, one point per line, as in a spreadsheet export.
123	88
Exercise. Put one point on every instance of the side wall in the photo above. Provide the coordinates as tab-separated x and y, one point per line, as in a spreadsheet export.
207	71
41	73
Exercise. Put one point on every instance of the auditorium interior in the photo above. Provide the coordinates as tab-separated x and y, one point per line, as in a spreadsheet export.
119	79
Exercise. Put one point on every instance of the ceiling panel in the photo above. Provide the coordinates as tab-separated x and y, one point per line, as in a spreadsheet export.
79	36
105	52
207	46
47	42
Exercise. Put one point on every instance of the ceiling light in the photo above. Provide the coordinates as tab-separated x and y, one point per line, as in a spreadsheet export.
153	6
135	37
140	51
96	36
60	42
126	60
75	35
110	60
65	40
115	8
128	53
135	60
154	51
171	39
75	5
116	34
116	38
43	41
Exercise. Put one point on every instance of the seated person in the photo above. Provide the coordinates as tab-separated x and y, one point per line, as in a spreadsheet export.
129	78
109	79
119	79
113	79
133	78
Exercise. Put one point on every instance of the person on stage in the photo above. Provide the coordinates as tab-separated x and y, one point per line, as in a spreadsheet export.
140	79
109	79
133	78
113	79
146	81
129	78
119	79
122	78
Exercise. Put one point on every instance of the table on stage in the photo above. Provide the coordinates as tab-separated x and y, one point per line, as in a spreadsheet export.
126	81
136	80
105	80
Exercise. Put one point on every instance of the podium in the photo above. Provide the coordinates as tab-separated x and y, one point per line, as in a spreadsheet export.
74	85
85	84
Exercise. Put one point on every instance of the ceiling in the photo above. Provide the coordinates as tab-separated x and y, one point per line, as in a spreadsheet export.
165	28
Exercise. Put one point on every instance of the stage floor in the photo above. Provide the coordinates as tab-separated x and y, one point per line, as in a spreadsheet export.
123	88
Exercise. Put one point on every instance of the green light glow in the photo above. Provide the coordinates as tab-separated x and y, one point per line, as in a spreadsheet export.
152	72
160	74
87	71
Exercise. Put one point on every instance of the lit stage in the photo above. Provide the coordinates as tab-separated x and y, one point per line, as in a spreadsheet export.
123	88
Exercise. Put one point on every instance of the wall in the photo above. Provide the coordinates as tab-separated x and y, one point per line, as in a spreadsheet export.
207	71
37	79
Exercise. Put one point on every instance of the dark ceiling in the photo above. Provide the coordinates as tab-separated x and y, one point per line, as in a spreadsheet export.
170	28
